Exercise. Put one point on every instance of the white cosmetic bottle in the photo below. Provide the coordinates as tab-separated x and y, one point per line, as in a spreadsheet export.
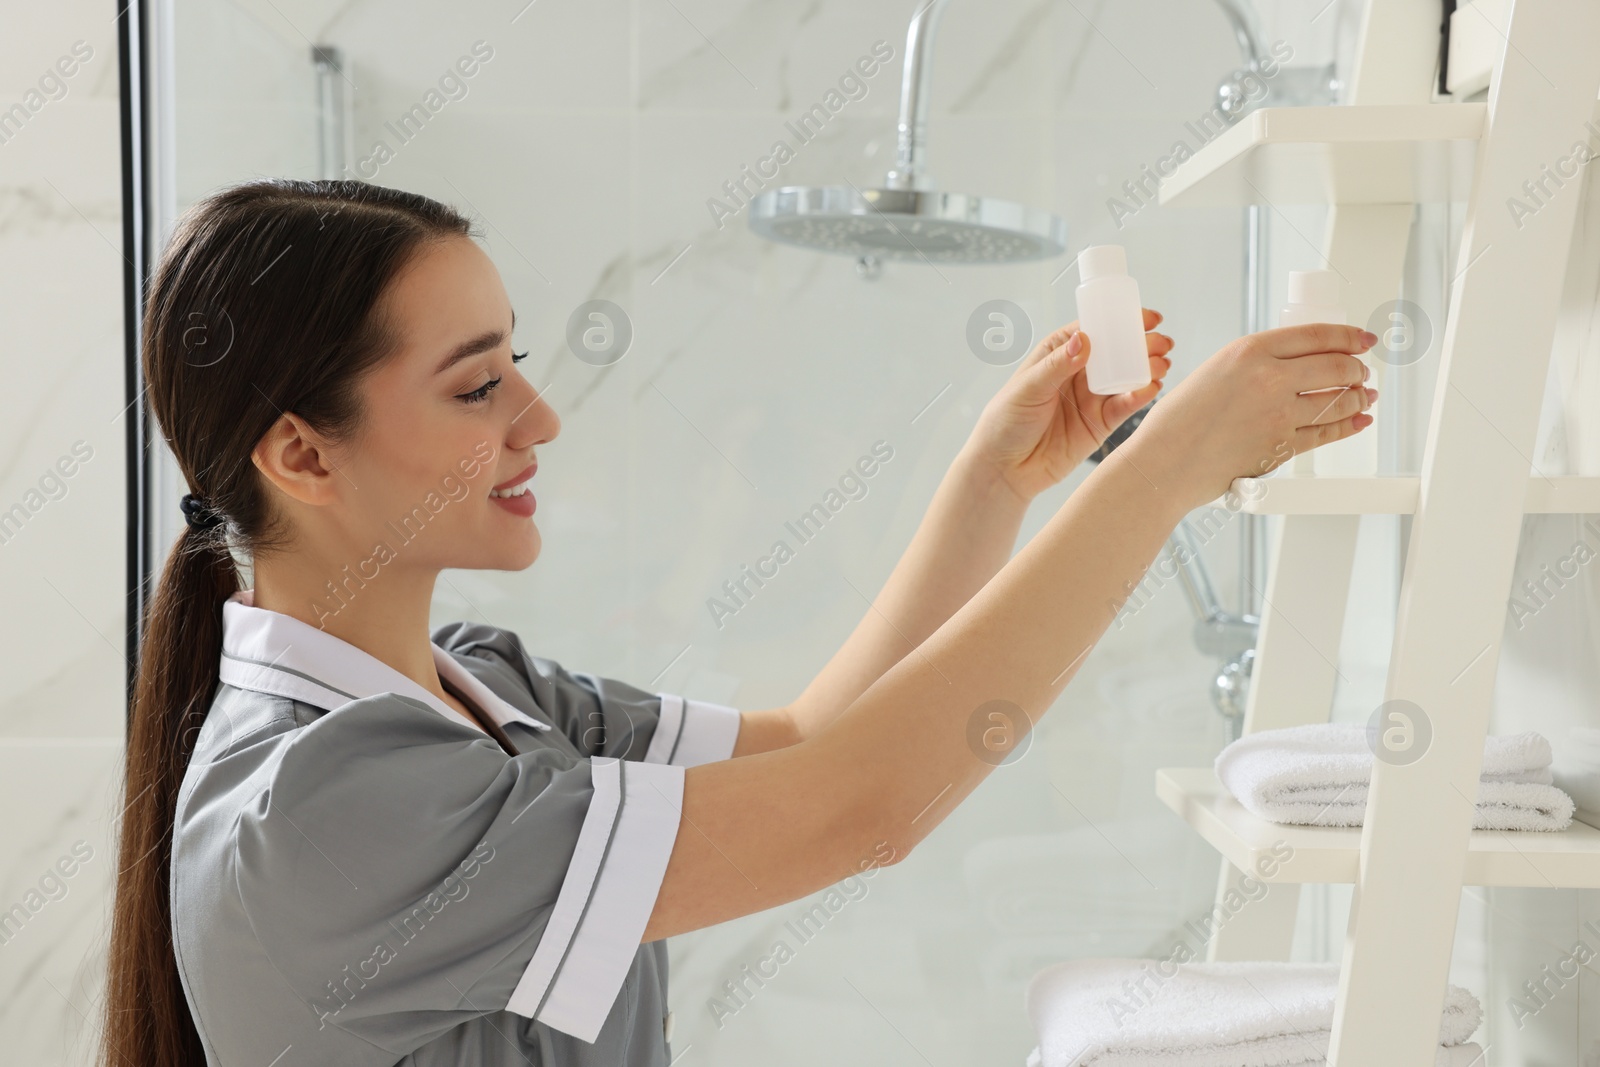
1314	296
1110	313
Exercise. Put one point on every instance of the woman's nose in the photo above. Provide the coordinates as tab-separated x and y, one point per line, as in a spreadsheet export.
536	423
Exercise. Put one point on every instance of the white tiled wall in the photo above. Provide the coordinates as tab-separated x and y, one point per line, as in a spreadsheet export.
61	571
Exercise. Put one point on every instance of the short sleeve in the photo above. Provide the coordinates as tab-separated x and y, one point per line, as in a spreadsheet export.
404	876
603	716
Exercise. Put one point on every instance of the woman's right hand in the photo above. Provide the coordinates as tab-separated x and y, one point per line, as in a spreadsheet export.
1254	404
773	826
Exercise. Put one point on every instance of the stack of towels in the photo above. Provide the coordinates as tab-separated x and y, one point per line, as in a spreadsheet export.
1152	1013
1318	775
1579	771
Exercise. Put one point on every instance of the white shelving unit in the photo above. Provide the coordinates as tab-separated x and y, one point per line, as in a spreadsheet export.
1289	494
1328	854
1371	159
1372	154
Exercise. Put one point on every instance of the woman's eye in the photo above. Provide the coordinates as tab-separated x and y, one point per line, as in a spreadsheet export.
518	359
480	393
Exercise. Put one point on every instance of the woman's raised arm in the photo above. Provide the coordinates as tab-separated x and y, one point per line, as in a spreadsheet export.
1032	433
769	828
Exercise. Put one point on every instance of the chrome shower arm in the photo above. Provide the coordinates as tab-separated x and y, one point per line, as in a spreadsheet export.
916	86
1242	17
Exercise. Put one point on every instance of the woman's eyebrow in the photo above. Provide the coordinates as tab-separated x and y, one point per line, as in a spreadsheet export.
481	343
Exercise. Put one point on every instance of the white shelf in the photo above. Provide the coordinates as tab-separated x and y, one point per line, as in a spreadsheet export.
1302	494
1569	859
1477	39
1360	154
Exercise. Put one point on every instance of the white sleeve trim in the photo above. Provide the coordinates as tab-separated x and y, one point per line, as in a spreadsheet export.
610	888
669	726
692	732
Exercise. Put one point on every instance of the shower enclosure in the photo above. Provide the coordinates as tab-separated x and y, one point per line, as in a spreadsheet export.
600	146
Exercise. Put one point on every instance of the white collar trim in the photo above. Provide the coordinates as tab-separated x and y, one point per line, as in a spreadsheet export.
269	652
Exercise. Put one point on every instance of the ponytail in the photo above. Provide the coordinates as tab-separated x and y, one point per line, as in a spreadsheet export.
177	675
299	342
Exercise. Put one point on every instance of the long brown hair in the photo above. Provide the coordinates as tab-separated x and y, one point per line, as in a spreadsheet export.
264	301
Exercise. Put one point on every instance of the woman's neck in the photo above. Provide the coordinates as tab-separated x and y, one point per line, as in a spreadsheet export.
385	616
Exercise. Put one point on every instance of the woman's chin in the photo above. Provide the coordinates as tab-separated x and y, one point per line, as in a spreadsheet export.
521	555
500	552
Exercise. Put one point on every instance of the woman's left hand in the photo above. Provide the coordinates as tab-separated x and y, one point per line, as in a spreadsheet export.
1045	422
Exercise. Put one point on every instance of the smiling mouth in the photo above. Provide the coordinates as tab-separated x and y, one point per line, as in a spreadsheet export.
518	490
515	486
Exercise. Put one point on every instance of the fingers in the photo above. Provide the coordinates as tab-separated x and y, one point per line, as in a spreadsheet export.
1063	354
1048	344
1288	342
1159	344
1041	376
1159	365
1117	408
1309	437
1129	402
1332	405
1326	370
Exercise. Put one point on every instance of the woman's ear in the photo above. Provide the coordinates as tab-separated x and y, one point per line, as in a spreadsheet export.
295	459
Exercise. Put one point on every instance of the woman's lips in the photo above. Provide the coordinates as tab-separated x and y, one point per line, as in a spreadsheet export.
518	502
522	504
519	479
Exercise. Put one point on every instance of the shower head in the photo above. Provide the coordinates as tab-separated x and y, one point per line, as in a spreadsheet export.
907	218
911	224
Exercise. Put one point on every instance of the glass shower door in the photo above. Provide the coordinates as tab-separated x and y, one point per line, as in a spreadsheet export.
588	146
235	92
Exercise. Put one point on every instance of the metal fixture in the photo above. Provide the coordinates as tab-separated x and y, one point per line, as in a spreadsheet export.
907	219
335	130
1287	86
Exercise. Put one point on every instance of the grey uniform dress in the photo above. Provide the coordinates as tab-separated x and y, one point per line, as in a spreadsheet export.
360	875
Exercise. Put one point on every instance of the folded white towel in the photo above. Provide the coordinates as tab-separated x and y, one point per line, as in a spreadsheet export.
1319	775
1144	1013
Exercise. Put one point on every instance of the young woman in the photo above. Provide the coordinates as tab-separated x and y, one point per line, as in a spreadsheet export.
348	841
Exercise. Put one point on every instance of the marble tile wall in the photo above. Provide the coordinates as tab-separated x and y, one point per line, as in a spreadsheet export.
61	565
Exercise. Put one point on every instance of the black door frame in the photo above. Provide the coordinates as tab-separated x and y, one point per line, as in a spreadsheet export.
134	83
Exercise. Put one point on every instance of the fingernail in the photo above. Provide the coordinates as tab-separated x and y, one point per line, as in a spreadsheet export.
1368	338
1074	343
1372	397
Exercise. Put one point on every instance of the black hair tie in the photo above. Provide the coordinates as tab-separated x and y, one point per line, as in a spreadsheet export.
198	513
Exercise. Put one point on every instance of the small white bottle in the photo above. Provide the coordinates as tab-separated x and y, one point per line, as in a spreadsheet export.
1313	297
1110	313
